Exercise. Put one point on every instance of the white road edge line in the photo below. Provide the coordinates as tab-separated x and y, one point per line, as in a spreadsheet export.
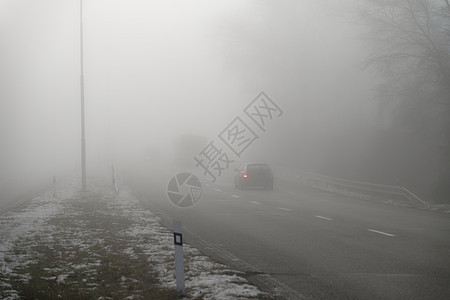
324	218
282	208
235	196
381	232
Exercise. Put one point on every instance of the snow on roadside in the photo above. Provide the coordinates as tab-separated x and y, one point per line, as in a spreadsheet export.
74	221
204	278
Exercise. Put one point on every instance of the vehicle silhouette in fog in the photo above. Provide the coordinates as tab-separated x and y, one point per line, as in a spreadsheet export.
254	175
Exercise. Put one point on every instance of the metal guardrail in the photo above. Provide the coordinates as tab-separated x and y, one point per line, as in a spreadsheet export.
358	189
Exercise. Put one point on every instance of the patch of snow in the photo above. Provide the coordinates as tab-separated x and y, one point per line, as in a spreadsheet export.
62	278
204	278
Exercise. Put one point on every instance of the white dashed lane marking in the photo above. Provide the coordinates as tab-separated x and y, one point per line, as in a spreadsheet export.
254	202
381	232
324	218
282	208
235	196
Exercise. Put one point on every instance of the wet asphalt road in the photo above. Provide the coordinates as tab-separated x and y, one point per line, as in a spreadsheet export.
306	243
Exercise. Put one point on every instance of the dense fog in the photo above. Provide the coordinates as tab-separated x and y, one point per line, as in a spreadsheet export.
158	71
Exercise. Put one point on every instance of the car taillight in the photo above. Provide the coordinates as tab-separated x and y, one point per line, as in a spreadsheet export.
245	175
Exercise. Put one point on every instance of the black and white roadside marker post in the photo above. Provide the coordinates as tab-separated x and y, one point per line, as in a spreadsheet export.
179	262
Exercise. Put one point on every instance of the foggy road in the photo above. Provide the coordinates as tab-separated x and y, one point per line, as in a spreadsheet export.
314	244
350	89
